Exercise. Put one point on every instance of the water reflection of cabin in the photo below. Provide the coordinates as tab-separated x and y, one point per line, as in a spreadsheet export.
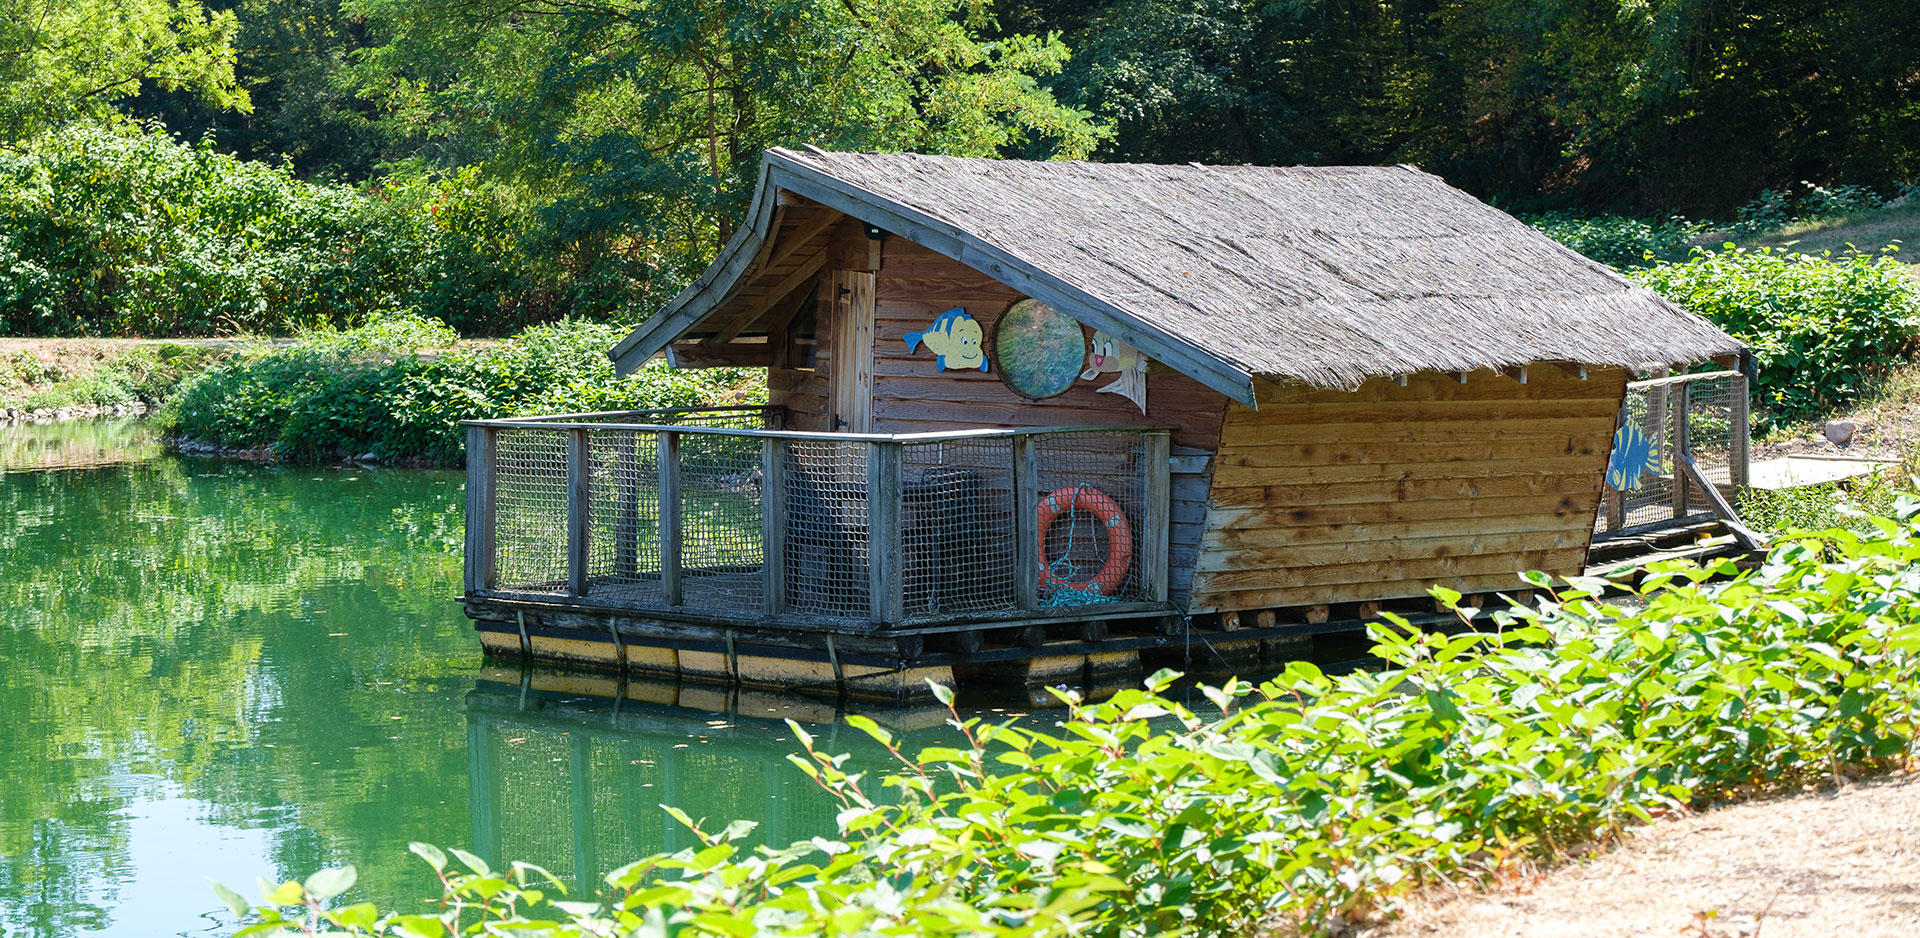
1052	410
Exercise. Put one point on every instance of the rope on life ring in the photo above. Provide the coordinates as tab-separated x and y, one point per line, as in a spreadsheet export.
1113	573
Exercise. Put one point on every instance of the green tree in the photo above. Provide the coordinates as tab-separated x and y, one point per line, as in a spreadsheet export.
630	130
66	59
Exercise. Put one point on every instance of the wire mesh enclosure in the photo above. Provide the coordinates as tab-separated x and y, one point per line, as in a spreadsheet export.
1702	416
756	524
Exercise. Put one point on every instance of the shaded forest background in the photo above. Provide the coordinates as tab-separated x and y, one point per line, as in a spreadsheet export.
522	160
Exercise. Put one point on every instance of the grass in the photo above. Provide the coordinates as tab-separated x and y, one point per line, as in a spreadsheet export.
1870	231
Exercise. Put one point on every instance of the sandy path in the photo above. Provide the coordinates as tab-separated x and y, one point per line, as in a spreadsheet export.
1843	863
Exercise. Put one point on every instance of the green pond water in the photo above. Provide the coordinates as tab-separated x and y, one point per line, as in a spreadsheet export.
228	671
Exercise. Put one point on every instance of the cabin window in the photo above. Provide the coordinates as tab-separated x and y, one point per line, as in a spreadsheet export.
803	334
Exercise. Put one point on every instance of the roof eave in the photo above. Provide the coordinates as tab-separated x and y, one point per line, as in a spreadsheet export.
794	175
713	286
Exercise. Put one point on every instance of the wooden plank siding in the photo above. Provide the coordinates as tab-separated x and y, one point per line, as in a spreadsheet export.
1382	492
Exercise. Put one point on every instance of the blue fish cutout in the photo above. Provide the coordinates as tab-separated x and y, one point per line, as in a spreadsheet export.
955	340
1633	457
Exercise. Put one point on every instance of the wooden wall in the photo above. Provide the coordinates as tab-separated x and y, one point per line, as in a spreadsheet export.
914	285
1328	496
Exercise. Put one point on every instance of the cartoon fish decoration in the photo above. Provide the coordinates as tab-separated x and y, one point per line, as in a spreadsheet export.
955	340
1633	457
1110	356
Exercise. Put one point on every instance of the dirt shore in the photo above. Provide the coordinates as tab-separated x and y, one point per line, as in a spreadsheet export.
1844	862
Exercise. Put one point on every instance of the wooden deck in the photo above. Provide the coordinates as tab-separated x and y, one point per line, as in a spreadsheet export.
613	529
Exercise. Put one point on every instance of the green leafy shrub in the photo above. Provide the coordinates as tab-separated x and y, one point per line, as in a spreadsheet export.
1308	802
112	231
23	369
1821	328
1623	243
376	389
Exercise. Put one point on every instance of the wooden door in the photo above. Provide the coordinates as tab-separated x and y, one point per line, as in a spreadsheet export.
852	371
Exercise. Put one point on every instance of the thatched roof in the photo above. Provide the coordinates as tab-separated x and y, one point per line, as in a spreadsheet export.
1328	275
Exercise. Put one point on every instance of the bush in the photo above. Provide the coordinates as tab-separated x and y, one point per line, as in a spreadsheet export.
1618	242
124	232
374	389
1775	209
1310	801
1821	328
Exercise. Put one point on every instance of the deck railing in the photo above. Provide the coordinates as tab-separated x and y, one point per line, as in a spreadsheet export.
1703	416
720	514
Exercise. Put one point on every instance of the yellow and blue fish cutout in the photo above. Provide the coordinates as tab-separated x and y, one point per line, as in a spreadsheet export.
955	340
1633	457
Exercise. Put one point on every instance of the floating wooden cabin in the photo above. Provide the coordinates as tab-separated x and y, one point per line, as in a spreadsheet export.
1030	419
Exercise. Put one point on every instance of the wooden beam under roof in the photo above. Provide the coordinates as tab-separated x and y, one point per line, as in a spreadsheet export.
787	247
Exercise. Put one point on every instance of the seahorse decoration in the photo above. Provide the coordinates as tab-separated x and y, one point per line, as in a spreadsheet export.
1633	457
954	339
1110	356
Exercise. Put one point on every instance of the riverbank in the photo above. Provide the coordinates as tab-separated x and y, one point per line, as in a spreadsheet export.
50	380
1842	861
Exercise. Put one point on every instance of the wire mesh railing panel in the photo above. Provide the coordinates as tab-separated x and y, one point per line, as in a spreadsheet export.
530	511
1710	416
623	529
1656	415
957	527
826	520
721	545
1092	494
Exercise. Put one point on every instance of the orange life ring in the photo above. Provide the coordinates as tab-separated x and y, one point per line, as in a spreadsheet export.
1119	537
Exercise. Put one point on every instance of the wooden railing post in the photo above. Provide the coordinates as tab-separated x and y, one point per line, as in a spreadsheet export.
1156	515
1682	447
773	523
886	602
670	542
1026	508
579	504
481	563
1740	442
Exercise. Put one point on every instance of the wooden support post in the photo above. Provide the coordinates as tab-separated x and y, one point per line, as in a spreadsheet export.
481	565
1312	615
1266	619
1682	449
1026	509
626	527
1230	620
886	600
1516	372
1740	442
579	507
670	541
773	524
1158	512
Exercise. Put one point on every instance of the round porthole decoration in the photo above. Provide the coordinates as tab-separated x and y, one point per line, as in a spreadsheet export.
1038	349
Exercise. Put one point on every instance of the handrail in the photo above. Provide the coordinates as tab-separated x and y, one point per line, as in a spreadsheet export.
1680	379
544	419
823	436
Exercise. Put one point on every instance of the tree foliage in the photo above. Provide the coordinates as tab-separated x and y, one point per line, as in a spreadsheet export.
62	60
634	128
